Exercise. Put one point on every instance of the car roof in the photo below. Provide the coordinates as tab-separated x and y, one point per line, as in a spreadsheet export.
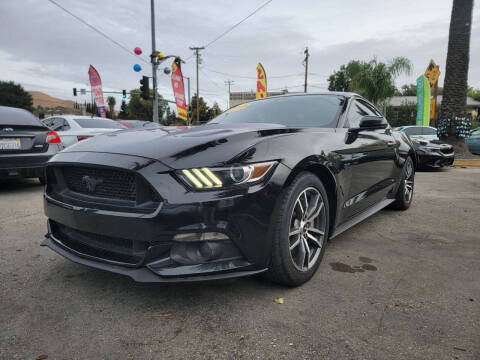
73	117
416	126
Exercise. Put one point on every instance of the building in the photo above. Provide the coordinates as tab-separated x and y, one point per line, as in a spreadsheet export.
473	106
241	97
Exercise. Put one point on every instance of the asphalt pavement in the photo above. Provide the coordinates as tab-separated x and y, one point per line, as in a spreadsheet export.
400	285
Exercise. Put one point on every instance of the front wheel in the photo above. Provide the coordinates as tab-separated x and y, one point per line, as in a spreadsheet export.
299	231
404	196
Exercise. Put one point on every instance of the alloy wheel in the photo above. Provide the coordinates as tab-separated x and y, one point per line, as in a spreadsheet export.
307	229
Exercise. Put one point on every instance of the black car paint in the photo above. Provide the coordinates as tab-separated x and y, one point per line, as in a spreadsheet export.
358	176
30	160
437	155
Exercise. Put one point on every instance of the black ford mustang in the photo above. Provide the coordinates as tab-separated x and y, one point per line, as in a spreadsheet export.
261	188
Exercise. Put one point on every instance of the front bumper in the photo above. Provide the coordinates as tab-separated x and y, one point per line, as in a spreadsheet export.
142	245
434	160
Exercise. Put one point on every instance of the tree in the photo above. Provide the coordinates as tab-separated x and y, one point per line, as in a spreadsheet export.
14	95
376	80
206	113
474	93
123	111
141	109
456	70
111	106
407	90
340	80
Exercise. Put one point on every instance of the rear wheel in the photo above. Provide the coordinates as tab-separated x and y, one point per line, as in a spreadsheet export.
404	195
299	231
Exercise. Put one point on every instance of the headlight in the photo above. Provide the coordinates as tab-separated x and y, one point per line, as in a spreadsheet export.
210	178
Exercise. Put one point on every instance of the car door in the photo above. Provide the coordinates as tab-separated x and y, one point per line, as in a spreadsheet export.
370	160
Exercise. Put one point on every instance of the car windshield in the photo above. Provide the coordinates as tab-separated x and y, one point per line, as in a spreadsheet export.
93	123
14	116
291	111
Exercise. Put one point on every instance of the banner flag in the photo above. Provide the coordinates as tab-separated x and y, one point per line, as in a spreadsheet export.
261	82
423	101
179	90
96	84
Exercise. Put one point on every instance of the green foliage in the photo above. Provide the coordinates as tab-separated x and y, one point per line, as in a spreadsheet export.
140	109
14	95
341	80
111	106
206	113
407	90
402	115
123	114
474	93
374	80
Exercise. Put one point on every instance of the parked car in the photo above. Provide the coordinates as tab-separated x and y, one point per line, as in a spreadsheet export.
473	141
419	132
433	154
135	124
259	189
25	144
74	128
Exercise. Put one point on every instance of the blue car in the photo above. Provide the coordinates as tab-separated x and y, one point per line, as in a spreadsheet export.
473	141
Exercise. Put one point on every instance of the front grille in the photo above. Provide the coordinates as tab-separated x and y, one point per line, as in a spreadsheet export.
447	150
109	248
107	183
102	188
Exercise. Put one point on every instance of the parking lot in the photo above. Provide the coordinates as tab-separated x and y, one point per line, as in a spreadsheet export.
400	285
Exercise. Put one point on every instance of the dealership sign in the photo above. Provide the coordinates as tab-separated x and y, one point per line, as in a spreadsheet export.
179	90
96	84
261	82
423	101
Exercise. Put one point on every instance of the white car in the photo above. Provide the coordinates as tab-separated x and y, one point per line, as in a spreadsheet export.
74	128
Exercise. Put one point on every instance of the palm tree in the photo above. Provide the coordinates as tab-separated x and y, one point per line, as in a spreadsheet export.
376	80
456	70
111	105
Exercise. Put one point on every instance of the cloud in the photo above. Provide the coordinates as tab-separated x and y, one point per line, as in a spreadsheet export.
42	47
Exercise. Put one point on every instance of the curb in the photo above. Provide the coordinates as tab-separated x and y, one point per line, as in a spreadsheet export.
466	162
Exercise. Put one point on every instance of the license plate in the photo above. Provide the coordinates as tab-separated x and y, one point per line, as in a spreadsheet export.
10	144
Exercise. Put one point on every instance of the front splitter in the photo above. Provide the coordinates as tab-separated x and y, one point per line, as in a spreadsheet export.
143	274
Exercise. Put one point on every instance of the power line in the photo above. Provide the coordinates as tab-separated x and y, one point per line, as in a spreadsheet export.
241	21
97	31
235	25
253	77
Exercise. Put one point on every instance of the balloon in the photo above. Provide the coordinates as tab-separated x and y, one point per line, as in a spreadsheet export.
137	68
137	50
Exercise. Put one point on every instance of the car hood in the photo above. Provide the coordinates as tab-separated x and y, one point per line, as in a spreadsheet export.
207	145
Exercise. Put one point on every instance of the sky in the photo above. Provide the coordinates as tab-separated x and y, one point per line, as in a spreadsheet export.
44	48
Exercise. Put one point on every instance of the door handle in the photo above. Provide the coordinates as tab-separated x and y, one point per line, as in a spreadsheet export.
391	143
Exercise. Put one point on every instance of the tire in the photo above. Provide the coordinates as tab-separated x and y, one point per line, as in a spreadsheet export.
42	180
403	198
290	263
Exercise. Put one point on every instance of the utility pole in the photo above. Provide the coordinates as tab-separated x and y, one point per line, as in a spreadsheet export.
197	54
154	66
307	55
229	83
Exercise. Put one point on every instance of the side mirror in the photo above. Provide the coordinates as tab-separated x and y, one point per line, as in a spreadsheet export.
372	123
367	123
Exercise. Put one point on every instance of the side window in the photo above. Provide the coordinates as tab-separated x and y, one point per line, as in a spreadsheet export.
413	131
429	131
357	110
48	122
65	125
